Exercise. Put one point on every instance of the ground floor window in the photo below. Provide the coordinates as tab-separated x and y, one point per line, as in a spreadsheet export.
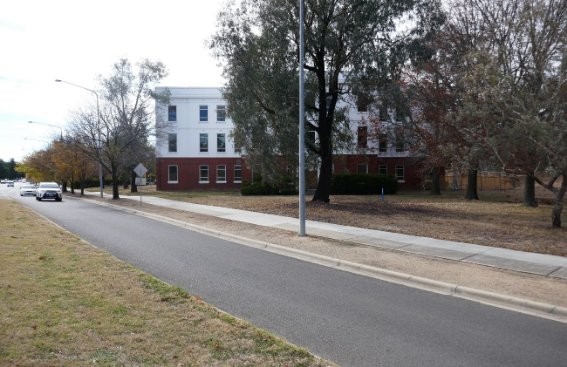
383	170
237	173
172	174
203	174
400	173
221	174
362	168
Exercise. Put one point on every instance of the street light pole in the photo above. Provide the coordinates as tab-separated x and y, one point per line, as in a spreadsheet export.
98	128
301	122
46	124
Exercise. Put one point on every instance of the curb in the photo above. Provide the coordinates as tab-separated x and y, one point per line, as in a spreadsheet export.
534	308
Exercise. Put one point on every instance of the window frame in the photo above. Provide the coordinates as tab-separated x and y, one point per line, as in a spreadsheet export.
383	170
400	140
172	110
383	143
237	177
220	108
362	137
402	177
169	180
365	170
223	135
203	148
203	113
203	179
219	168
172	143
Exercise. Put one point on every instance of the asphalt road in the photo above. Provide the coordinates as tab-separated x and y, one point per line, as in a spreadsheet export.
350	319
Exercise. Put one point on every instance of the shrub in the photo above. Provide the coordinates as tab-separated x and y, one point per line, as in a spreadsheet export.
283	185
257	188
363	184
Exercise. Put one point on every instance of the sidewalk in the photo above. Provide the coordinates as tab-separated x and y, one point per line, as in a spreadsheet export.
525	282
527	262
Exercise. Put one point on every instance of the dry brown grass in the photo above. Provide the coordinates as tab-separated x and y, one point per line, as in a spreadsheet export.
66	303
498	219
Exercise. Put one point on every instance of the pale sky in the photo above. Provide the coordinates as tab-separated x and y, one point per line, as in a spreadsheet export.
76	41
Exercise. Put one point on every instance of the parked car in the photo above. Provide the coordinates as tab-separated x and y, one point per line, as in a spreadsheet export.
48	190
9	183
27	189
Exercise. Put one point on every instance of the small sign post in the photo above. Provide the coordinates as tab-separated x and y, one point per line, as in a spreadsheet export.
140	171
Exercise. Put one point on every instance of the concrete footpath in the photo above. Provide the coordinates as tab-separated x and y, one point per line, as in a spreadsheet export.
548	266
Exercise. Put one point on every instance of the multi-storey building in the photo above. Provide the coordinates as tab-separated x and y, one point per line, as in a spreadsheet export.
381	146
193	147
195	151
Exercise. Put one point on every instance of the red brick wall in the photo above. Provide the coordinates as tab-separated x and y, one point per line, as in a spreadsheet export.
188	173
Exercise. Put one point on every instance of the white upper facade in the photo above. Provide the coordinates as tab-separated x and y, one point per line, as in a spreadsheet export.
194	124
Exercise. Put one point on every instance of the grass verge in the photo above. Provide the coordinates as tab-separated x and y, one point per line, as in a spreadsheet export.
66	303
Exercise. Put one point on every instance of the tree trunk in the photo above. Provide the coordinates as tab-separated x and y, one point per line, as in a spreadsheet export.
472	188
529	191
556	215
436	181
133	186
558	207
115	184
323	191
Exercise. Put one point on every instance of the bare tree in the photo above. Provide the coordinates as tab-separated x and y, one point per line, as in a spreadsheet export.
124	120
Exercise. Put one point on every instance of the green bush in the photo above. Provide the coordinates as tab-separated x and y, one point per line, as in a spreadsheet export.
257	188
363	184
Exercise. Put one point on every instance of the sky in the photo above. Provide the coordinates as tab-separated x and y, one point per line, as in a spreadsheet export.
77	41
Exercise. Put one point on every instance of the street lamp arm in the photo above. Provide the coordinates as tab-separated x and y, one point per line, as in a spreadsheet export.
46	124
76	85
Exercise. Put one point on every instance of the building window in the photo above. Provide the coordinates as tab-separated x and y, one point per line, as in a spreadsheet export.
362	168
311	136
400	140
221	143
221	113
172	113
172	142
238	173
362	137
172	174
203	113
204	174
382	143
400	173
383	170
363	100
221	174
203	142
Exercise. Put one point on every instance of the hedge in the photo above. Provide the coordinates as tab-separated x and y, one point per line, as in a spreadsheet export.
363	184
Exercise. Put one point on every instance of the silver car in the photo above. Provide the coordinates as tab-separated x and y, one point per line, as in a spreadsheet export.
27	189
48	190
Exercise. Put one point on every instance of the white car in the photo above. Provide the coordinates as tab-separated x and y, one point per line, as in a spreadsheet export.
48	190
27	189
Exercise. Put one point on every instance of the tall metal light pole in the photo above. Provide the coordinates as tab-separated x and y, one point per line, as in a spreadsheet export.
301	121
46	124
98	128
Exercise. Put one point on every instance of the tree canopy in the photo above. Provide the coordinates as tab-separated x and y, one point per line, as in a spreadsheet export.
116	132
348	44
